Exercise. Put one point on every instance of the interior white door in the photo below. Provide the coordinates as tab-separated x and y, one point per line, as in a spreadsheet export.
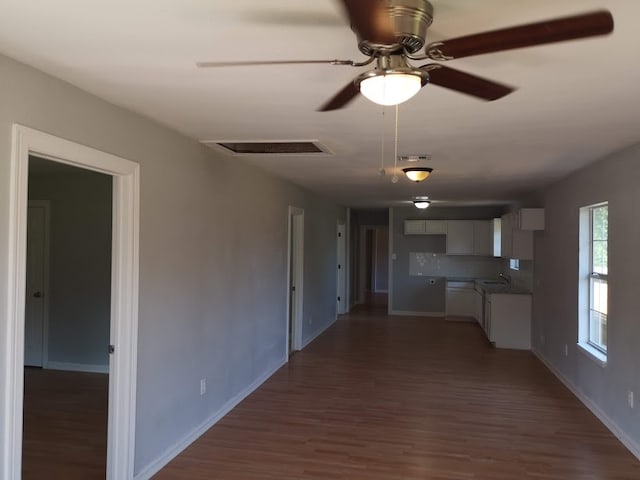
35	305
296	275
341	270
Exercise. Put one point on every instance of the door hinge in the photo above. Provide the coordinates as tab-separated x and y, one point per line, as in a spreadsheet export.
338	298
112	349
293	289
339	266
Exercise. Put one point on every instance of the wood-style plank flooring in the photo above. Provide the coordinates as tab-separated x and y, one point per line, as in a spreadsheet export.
379	397
65	425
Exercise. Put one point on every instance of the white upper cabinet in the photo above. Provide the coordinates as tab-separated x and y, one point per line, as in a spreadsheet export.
482	237
530	219
517	232
460	237
414	227
435	227
425	227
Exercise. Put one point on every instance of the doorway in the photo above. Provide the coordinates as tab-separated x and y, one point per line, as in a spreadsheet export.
66	385
123	305
373	266
295	276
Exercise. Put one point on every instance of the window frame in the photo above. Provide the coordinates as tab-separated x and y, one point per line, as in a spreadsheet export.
586	279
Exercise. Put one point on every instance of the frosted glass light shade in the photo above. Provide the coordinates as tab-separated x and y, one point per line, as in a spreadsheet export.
391	88
417	174
421	203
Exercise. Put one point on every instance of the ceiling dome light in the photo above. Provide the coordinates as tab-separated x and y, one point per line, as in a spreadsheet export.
417	174
421	204
391	88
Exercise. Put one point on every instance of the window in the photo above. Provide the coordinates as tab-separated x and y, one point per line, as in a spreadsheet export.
514	263
599	226
593	285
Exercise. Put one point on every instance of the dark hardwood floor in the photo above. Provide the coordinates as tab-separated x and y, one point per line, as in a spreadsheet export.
65	425
378	397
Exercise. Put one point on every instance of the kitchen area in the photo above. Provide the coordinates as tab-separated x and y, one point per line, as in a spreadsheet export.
466	264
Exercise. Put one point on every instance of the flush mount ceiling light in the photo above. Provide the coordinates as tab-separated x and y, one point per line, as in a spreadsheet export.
421	204
417	174
393	81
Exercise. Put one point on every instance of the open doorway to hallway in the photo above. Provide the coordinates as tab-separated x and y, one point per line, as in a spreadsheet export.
369	268
67	322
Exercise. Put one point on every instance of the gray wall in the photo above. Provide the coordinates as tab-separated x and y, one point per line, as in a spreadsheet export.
411	293
212	258
555	307
80	264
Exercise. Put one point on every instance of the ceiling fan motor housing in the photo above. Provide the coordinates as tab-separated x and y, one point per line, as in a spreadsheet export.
410	20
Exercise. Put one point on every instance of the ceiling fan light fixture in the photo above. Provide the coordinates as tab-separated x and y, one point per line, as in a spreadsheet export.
391	88
417	174
422	204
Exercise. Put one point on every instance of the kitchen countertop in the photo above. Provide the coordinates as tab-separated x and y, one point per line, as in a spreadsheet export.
490	285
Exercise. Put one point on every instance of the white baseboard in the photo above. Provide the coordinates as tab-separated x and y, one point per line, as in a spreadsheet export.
628	442
77	367
154	467
416	314
315	334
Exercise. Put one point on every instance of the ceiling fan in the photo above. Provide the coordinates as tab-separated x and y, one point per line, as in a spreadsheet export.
392	32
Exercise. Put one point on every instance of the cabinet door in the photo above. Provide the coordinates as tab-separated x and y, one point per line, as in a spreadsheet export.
460	237
482	237
414	227
435	227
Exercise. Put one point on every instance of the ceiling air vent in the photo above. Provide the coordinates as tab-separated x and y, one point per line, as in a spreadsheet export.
415	158
305	147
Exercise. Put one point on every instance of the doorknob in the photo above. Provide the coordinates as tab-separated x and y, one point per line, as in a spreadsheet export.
38	295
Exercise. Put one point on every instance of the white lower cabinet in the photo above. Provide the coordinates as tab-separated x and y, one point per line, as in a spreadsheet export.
460	299
508	320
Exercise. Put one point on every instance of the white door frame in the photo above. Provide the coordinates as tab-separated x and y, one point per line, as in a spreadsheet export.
295	244
46	205
124	297
341	254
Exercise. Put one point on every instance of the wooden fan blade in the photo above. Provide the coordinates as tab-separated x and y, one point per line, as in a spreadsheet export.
269	62
342	98
466	83
550	31
370	20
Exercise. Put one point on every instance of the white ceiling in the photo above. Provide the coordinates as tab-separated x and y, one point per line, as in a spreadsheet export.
575	103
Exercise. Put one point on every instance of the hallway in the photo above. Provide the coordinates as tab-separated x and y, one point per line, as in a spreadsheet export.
378	397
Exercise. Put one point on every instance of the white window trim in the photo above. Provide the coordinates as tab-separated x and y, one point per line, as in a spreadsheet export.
584	277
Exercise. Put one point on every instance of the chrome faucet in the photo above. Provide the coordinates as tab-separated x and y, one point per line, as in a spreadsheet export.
506	278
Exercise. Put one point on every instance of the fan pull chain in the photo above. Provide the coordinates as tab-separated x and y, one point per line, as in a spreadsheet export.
382	171
394	179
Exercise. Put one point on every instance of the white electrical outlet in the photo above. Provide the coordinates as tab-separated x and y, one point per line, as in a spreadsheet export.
566	350
203	386
630	399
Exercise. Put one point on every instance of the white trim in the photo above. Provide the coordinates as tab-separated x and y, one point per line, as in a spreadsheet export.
341	277
78	367
173	451
124	296
627	441
410	313
592	353
295	233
